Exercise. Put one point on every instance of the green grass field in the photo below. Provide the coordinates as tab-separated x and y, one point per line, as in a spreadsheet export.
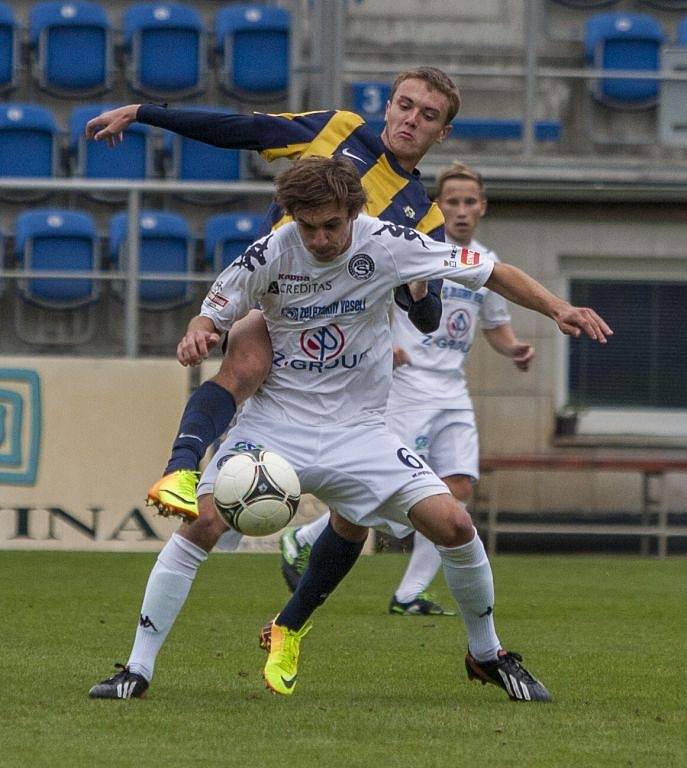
606	635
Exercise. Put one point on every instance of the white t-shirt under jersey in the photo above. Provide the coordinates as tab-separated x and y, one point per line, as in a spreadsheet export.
436	378
328	322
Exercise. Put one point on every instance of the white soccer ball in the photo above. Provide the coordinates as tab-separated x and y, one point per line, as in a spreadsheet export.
257	492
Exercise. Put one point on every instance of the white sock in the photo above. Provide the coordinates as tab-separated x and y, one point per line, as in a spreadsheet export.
422	568
310	533
168	586
468	575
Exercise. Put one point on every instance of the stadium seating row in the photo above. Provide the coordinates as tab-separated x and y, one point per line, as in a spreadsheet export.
165	47
54	240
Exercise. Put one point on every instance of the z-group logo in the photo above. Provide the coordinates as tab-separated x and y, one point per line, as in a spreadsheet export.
20	426
323	343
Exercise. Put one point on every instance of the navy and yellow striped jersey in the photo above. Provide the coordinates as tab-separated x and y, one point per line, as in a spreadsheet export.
393	193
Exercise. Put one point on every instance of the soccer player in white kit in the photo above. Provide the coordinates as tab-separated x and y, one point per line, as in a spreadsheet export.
322	407
441	427
429	405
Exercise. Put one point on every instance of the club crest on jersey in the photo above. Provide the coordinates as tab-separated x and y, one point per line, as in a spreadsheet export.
469	258
361	267
409	212
323	343
458	323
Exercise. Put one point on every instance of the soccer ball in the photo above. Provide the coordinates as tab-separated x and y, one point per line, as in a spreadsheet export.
257	492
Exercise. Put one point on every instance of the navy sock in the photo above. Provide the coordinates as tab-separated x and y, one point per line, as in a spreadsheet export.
331	558
207	414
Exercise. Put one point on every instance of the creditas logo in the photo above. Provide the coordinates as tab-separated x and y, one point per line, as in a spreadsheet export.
20	426
361	267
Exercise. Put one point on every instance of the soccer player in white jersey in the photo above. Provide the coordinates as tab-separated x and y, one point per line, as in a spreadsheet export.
322	408
429	404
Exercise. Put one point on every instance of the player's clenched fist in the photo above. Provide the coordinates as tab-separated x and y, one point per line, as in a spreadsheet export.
195	346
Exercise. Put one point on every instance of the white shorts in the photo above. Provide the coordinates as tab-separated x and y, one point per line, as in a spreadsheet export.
363	471
446	440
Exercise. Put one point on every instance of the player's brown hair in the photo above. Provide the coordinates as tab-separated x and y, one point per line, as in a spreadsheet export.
461	171
436	80
316	181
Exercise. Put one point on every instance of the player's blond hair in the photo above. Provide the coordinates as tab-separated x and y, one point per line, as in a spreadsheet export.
436	80
316	181
461	171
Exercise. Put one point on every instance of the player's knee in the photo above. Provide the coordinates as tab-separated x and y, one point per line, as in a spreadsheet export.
347	530
458	528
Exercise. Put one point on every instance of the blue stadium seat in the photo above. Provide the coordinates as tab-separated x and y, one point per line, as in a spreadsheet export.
369	101
681	33
132	159
617	41
227	236
586	5
253	42
57	240
72	45
502	129
9	48
196	161
165	246
165	44
28	136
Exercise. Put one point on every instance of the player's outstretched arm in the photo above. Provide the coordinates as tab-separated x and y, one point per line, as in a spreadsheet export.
110	125
518	287
200	338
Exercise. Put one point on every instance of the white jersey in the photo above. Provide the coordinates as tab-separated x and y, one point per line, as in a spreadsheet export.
328	322
436	378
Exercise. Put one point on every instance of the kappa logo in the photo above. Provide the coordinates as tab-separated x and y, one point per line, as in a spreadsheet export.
273	287
255	252
361	267
20	426
146	623
398	230
323	343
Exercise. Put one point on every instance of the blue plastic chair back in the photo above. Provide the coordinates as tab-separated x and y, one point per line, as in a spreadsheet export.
132	159
165	41
502	129
8	48
73	44
55	240
27	140
624	41
681	32
254	42
164	247
227	236
194	160
369	101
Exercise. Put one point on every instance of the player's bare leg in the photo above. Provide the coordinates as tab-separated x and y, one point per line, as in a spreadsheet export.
411	597
446	522
168	587
208	412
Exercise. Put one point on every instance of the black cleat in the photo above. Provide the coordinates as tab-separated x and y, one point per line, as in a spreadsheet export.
123	685
422	605
508	673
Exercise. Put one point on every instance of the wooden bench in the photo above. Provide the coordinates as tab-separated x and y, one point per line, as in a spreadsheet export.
652	470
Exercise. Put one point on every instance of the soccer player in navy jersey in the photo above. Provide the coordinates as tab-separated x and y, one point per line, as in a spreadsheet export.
422	104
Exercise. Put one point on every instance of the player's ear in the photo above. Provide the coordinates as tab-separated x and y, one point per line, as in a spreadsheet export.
445	131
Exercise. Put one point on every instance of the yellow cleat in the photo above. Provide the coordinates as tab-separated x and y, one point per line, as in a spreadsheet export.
281	669
175	494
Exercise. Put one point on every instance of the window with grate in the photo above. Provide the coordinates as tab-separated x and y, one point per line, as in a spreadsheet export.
645	363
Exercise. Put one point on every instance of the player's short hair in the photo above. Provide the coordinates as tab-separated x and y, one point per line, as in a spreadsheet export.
316	181
436	80
461	171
